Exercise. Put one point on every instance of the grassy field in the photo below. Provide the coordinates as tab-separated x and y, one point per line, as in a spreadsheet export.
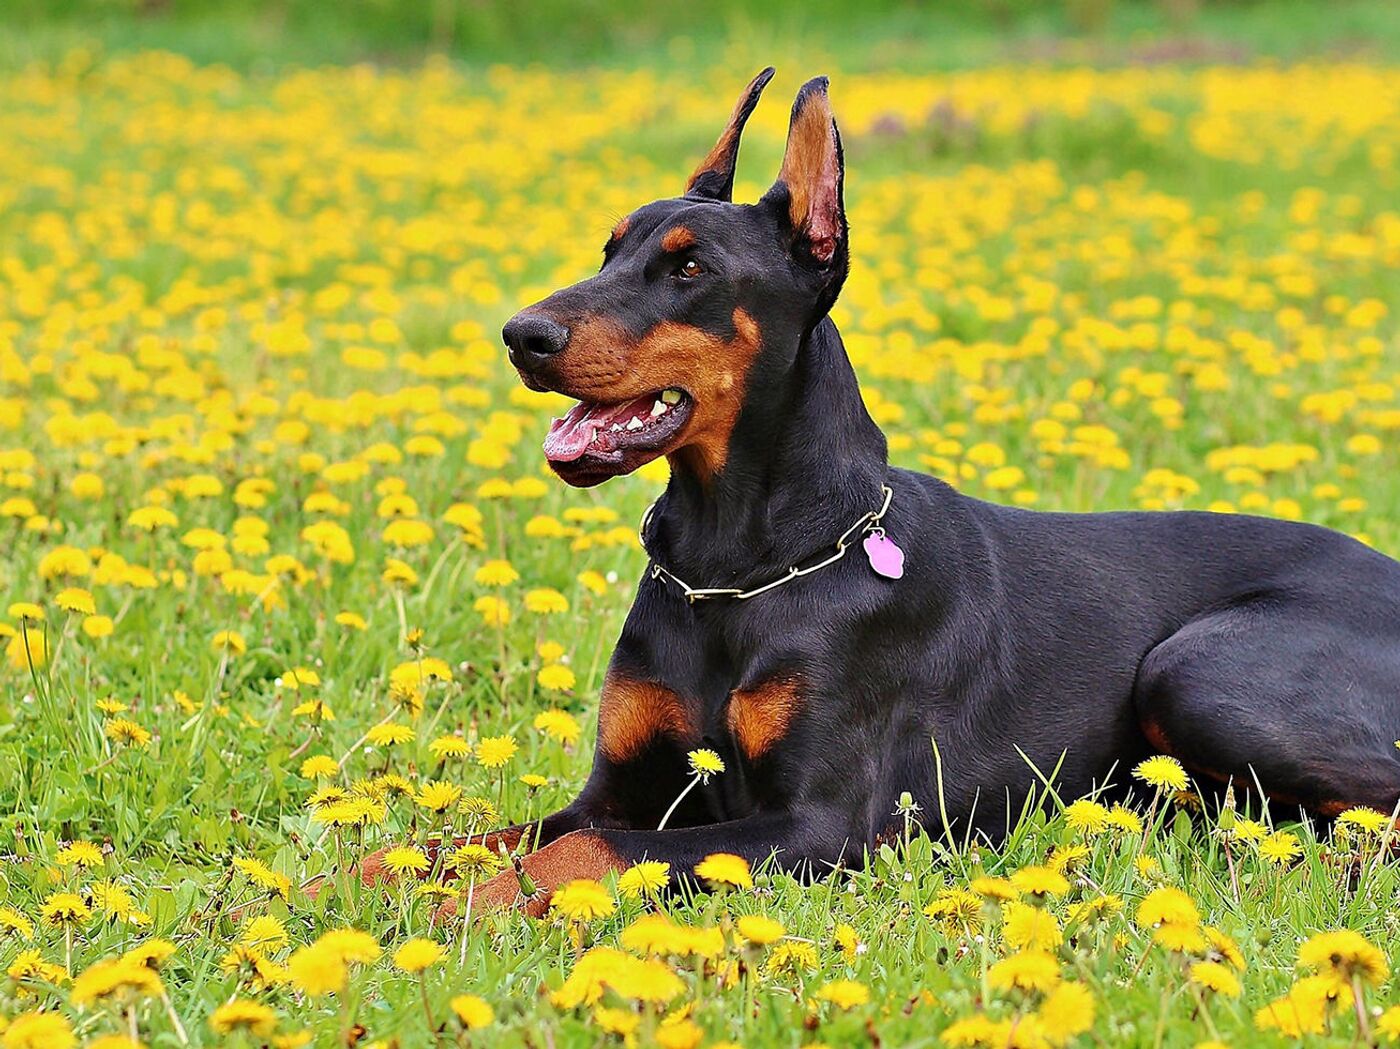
286	580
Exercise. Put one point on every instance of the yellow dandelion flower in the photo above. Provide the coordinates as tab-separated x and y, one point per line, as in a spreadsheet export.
65	908
12	921
445	747
350	945
125	731
1040	882
620	1022
390	734
79	854
679	1033
545	602
1065	1013
1161	772
1388	1026
495	751
1087	817
1025	927
496	573
243	1015
114	978
559	725
759	929
1028	970
474	861
844	994
1217	978
417	955
1167	905
593	581
229	642
1344	954
1280	848
265	931
38	1031
705	763
472	1013
316	970
583	900
998	889
1363	819
73	599
406	858
556	677
647	879
319	766
98	627
438	796
494	611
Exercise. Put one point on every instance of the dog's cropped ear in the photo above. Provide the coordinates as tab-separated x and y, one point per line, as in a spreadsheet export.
714	178
809	185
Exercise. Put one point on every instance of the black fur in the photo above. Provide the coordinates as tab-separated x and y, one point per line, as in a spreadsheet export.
1249	648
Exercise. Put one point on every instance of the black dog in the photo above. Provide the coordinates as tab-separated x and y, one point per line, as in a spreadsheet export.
1250	649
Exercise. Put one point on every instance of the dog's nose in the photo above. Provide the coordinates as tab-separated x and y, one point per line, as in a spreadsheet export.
532	338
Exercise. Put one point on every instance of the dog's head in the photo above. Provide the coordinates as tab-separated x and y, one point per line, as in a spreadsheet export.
700	306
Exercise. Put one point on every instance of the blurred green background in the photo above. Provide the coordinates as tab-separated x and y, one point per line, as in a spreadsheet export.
903	34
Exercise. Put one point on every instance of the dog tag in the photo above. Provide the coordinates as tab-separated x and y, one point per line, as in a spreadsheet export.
886	558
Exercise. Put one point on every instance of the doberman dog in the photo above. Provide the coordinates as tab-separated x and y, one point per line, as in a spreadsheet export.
779	625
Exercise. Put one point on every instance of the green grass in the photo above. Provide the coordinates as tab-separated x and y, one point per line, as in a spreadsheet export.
194	261
937	34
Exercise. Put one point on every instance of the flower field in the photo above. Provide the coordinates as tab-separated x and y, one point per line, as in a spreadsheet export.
286	581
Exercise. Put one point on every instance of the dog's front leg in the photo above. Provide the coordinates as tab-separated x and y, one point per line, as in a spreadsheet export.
800	839
519	837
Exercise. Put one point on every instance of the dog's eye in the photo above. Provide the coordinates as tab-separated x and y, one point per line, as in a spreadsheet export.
689	269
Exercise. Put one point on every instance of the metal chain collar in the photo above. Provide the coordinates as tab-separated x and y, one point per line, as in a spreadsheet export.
870	522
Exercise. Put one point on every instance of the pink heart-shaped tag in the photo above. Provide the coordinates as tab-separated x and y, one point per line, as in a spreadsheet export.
885	557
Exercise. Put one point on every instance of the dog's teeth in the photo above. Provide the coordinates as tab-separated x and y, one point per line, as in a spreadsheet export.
634	424
659	408
616	427
671	396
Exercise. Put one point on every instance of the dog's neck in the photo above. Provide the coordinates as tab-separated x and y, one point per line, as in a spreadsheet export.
805	461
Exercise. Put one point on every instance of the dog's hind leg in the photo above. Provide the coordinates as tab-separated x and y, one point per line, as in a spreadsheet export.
1278	691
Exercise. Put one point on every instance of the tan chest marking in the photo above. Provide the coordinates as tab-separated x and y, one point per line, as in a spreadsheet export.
760	717
633	713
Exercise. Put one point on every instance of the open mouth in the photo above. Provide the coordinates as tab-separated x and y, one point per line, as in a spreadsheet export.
596	441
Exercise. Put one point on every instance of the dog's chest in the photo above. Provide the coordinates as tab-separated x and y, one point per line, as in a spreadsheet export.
641	713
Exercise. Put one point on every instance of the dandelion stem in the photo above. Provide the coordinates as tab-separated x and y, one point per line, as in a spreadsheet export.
466	920
403	615
1205	1013
174	1017
1234	875
428	1009
1358	1001
679	798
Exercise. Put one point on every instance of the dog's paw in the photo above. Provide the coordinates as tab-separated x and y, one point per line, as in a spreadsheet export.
495	896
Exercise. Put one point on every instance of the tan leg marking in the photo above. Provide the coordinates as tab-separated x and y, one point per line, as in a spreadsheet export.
760	716
633	713
578	854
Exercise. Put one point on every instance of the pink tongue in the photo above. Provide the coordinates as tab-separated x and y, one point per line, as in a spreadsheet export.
570	436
